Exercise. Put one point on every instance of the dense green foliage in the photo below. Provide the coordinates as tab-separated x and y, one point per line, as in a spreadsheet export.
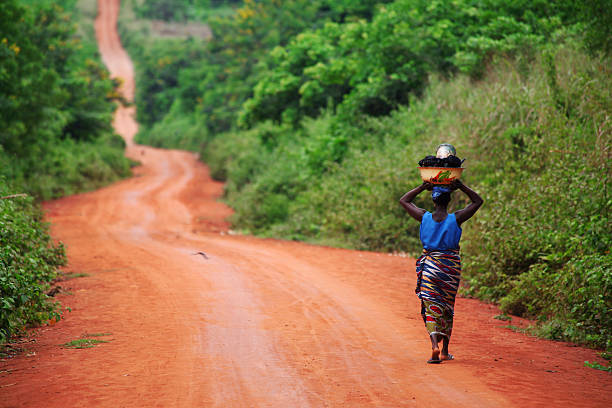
213	81
317	124
177	10
597	23
56	104
28	261
372	67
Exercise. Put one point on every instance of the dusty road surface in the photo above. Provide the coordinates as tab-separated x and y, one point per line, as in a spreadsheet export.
255	323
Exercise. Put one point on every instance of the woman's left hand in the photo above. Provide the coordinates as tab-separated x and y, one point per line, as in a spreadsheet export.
428	186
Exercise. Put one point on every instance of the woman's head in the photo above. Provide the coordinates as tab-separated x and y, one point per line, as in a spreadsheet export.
441	195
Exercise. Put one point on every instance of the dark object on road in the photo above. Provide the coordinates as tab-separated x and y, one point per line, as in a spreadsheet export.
201	253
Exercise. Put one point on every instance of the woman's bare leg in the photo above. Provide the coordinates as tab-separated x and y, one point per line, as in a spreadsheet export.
435	350
445	355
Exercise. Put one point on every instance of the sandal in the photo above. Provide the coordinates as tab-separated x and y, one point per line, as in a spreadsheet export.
435	357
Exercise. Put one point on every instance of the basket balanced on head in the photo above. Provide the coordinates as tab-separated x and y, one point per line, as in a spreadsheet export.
440	175
443	168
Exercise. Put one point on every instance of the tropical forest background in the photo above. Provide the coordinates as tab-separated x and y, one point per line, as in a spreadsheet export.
315	114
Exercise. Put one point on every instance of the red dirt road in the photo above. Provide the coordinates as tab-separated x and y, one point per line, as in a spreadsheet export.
260	323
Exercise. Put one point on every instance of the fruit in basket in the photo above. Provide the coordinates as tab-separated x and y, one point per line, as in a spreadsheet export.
451	161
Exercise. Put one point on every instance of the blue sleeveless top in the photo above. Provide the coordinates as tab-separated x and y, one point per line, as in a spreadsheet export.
441	235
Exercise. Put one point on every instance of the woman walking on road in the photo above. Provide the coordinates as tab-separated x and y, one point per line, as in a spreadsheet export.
439	267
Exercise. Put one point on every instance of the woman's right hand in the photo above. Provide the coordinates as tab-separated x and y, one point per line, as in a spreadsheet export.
467	212
456	184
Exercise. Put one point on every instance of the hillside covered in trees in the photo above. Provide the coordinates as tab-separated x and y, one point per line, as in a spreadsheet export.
315	113
56	138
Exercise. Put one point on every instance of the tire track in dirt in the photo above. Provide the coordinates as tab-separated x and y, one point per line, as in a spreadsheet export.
260	323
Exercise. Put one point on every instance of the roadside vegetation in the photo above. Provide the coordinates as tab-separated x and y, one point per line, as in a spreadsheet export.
56	139
315	113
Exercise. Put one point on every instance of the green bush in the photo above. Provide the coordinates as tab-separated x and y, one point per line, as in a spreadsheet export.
597	17
373	67
57	103
179	10
167	10
241	155
573	303
176	131
28	262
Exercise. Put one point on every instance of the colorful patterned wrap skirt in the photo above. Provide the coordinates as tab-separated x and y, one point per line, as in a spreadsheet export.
438	276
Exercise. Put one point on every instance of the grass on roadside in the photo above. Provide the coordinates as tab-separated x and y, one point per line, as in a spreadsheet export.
96	335
73	275
86	341
598	366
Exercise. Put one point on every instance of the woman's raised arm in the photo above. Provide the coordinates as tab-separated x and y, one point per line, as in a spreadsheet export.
406	201
465	214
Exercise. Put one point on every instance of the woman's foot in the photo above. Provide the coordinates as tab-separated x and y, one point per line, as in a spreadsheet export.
435	357
446	357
